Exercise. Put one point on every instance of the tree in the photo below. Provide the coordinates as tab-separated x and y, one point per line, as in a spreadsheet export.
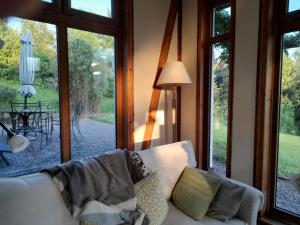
81	77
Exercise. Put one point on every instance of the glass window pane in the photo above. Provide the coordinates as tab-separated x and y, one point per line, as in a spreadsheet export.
293	5
289	126
29	95
98	7
221	22
219	106
92	92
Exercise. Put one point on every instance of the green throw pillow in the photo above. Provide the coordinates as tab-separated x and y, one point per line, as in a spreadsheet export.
151	199
194	192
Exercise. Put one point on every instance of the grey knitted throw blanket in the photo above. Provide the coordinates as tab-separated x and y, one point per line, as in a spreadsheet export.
98	190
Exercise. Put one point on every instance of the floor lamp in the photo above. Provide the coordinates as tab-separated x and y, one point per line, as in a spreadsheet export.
173	75
17	143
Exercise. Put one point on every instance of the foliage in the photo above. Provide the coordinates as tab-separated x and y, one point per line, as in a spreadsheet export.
9	72
91	64
81	78
290	95
222	26
47	75
7	95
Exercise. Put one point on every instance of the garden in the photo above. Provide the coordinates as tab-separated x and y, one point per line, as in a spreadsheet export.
91	68
289	128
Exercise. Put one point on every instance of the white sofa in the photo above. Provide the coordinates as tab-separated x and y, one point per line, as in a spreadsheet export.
34	199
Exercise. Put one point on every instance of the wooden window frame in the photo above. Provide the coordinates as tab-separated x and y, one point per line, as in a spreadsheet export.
56	13
205	43
274	22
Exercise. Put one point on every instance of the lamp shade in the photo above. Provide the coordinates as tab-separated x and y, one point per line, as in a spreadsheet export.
174	74
18	143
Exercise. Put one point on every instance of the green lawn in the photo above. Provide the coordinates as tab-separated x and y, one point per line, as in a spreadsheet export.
289	155
107	105
43	94
289	151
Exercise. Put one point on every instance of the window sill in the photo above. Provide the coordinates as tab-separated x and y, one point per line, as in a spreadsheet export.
271	221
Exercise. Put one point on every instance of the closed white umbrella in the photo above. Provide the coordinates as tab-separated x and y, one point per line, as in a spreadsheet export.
26	67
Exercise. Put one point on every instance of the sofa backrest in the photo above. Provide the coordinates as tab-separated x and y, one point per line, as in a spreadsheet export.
169	161
32	200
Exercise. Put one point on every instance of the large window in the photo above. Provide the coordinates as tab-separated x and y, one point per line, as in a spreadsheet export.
278	111
61	84
31	119
92	92
288	139
219	94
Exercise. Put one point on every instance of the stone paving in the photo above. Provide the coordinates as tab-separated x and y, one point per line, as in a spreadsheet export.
97	138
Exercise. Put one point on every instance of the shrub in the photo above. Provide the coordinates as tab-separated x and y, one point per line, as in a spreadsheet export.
9	73
7	95
287	117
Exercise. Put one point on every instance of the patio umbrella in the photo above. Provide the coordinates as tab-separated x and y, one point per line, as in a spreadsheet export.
26	67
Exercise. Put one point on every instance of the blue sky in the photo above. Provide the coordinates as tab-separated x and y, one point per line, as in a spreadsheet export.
294	5
100	7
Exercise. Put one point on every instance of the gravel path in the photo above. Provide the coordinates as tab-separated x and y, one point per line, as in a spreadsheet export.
287	197
97	139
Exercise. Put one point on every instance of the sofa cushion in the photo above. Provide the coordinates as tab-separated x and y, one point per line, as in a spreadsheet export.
194	192
169	161
32	200
177	217
227	200
151	200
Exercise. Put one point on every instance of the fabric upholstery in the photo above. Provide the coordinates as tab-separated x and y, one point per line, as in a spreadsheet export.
161	160
227	200
194	192
252	203
32	200
176	217
151	200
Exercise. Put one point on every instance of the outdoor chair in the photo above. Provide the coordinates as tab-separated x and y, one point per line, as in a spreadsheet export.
74	122
47	111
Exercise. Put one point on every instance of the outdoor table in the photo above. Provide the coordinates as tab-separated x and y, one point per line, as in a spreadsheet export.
25	113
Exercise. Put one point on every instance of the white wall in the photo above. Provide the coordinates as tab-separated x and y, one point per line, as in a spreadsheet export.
189	58
150	19
245	72
149	24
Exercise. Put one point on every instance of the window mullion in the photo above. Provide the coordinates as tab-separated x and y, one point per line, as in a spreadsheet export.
64	92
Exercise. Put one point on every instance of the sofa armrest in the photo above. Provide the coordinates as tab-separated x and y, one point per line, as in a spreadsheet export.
252	203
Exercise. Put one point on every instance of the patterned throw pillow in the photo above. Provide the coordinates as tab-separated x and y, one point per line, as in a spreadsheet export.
136	167
151	199
135	164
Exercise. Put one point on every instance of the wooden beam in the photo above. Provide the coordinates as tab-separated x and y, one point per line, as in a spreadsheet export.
128	63
265	76
63	68
162	60
179	58
203	55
